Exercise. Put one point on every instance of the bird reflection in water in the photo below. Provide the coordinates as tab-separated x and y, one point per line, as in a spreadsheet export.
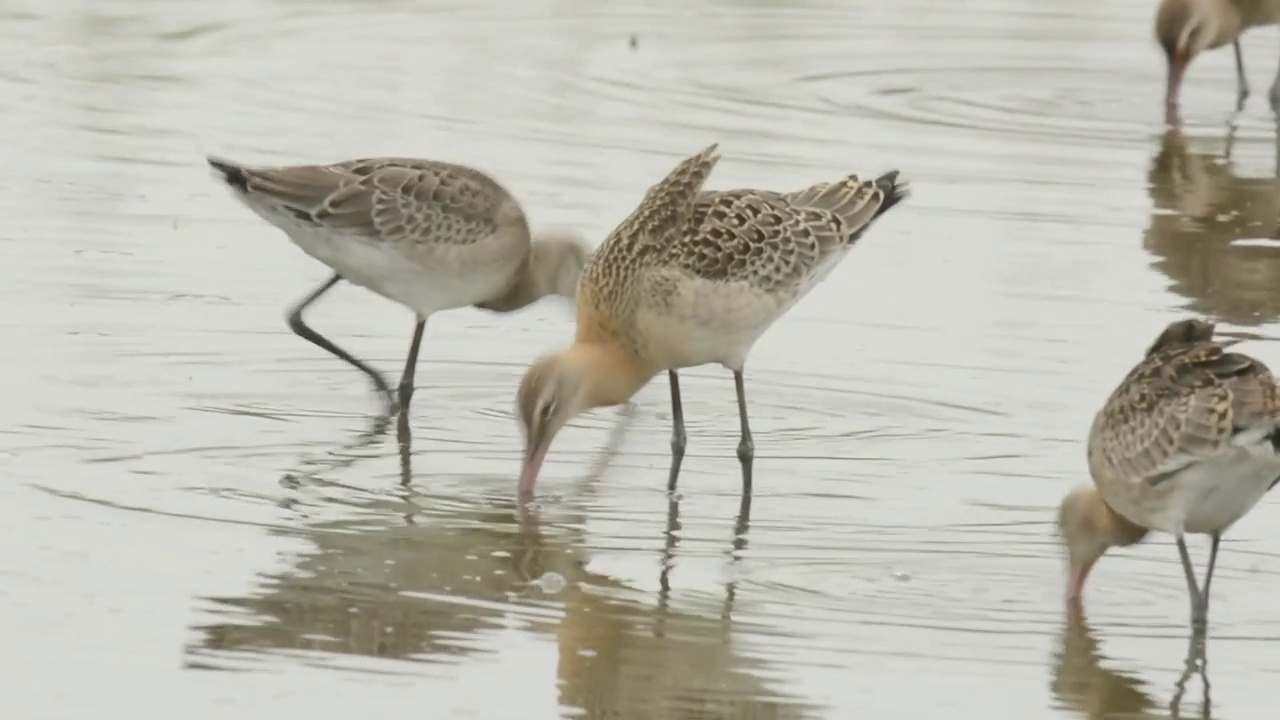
672	535
1203	209
348	453
444	586
1083	679
312	468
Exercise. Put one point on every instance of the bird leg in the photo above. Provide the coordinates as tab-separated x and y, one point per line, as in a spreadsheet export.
746	446
1274	94
410	365
678	438
406	453
1197	662
301	330
1197	605
1208	576
1242	84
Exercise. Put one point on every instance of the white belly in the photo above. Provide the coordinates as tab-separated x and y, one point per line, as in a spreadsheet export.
1209	496
434	278
685	322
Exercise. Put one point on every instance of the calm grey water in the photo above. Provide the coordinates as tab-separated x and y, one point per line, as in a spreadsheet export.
186	492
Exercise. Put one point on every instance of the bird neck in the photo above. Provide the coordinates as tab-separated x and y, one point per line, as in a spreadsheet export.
551	267
611	376
1111	527
520	294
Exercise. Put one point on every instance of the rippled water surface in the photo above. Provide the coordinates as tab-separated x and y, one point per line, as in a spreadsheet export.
187	491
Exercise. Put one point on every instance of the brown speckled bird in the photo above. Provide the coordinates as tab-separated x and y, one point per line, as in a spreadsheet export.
1186	444
690	277
426	234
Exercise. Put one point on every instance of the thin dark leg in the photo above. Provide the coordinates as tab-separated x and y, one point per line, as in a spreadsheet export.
1208	576
1197	662
1197	618
678	438
300	328
742	525
746	446
1229	146
403	435
1242	85
406	452
1277	135
1274	94
668	560
740	528
410	365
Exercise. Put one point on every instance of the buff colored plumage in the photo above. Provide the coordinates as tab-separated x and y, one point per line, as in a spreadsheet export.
693	276
1186	444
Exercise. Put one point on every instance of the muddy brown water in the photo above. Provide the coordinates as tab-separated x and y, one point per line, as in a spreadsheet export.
192	526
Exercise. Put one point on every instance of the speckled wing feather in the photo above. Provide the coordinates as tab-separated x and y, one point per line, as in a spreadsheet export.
1187	400
389	199
663	215
774	241
664	212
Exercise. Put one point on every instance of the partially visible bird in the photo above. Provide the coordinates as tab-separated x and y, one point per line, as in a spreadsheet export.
1186	444
1186	28
429	235
690	277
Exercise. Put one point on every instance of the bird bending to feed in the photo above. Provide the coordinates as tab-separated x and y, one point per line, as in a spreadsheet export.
1186	444
1186	28
429	235
690	277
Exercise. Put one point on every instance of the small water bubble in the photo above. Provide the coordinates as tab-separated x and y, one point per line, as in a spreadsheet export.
499	553
550	583
901	575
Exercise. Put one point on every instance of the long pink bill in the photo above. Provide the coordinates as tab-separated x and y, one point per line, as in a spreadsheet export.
1075	583
529	473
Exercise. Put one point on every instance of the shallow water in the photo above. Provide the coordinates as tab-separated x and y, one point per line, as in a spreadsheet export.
187	491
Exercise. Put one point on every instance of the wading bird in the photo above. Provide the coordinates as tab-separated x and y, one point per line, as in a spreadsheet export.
692	277
1186	28
429	235
1186	444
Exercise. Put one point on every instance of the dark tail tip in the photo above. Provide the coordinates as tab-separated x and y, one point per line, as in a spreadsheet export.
895	191
232	174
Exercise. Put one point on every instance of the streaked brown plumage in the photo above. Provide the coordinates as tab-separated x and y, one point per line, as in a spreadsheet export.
429	235
690	277
1185	444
